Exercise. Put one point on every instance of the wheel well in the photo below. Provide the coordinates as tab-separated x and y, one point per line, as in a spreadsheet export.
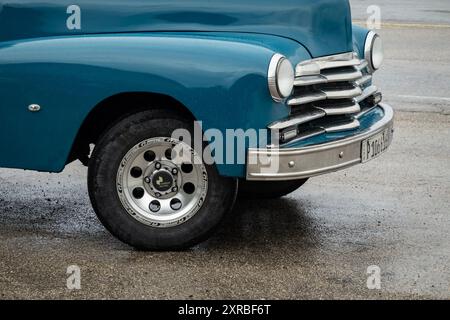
111	110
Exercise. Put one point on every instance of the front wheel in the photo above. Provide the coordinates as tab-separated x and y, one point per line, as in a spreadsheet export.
145	198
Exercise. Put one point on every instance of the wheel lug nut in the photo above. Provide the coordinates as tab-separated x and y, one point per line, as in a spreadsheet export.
158	166
147	180
174	171
175	189
158	195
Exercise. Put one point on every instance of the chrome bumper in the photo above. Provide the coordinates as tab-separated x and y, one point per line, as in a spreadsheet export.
299	163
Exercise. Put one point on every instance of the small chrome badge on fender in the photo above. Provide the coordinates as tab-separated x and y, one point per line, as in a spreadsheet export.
34	108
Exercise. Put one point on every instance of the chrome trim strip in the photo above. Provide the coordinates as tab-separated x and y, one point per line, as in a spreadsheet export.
367	93
343	94
354	124
314	66
311	67
310	80
309	134
363	80
318	113
313	97
313	114
364	112
314	160
302	175
364	64
335	111
344	76
322	78
338	64
326	95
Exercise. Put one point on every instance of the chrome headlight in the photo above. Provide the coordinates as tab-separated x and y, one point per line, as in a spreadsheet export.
373	51
281	77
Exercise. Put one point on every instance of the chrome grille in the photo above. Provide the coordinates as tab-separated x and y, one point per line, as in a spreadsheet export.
330	95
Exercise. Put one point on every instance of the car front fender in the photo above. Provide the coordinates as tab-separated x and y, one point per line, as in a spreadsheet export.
220	78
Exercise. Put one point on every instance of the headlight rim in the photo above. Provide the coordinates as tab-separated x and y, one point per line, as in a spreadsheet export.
273	73
371	37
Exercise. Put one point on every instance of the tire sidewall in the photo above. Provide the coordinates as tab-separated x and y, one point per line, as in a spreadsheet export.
102	175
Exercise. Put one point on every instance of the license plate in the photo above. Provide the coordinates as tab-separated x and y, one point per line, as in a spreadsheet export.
376	145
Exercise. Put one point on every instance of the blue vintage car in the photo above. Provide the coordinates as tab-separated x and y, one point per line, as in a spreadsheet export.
177	107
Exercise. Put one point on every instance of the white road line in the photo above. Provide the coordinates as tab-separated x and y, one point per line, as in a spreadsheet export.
406	25
423	98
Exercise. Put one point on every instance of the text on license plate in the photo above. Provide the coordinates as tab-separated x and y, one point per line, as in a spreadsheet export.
376	145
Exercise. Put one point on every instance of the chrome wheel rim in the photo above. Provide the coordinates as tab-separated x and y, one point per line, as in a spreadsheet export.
158	189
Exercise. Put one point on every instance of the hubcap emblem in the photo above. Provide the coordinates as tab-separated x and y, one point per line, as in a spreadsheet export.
162	181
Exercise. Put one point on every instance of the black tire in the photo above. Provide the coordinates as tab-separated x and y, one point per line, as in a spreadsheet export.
268	189
102	173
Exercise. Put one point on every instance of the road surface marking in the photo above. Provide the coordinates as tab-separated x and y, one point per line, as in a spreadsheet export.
424	98
407	25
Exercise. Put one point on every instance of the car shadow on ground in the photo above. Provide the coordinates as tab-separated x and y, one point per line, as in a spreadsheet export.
252	223
266	222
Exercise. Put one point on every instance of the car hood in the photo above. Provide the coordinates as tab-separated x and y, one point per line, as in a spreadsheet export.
321	26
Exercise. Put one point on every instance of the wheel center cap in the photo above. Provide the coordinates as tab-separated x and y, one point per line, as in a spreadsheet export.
162	181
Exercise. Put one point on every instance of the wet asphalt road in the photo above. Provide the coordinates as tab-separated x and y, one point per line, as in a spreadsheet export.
315	243
318	242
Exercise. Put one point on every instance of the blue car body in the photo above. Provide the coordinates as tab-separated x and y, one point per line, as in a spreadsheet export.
210	56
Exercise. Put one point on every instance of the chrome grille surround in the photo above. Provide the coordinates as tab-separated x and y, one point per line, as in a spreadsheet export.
330	95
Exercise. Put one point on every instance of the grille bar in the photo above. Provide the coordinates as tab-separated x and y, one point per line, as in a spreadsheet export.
312	114
312	97
310	80
351	75
369	91
318	130
326	94
333	62
354	107
363	80
346	75
345	126
317	112
343	94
